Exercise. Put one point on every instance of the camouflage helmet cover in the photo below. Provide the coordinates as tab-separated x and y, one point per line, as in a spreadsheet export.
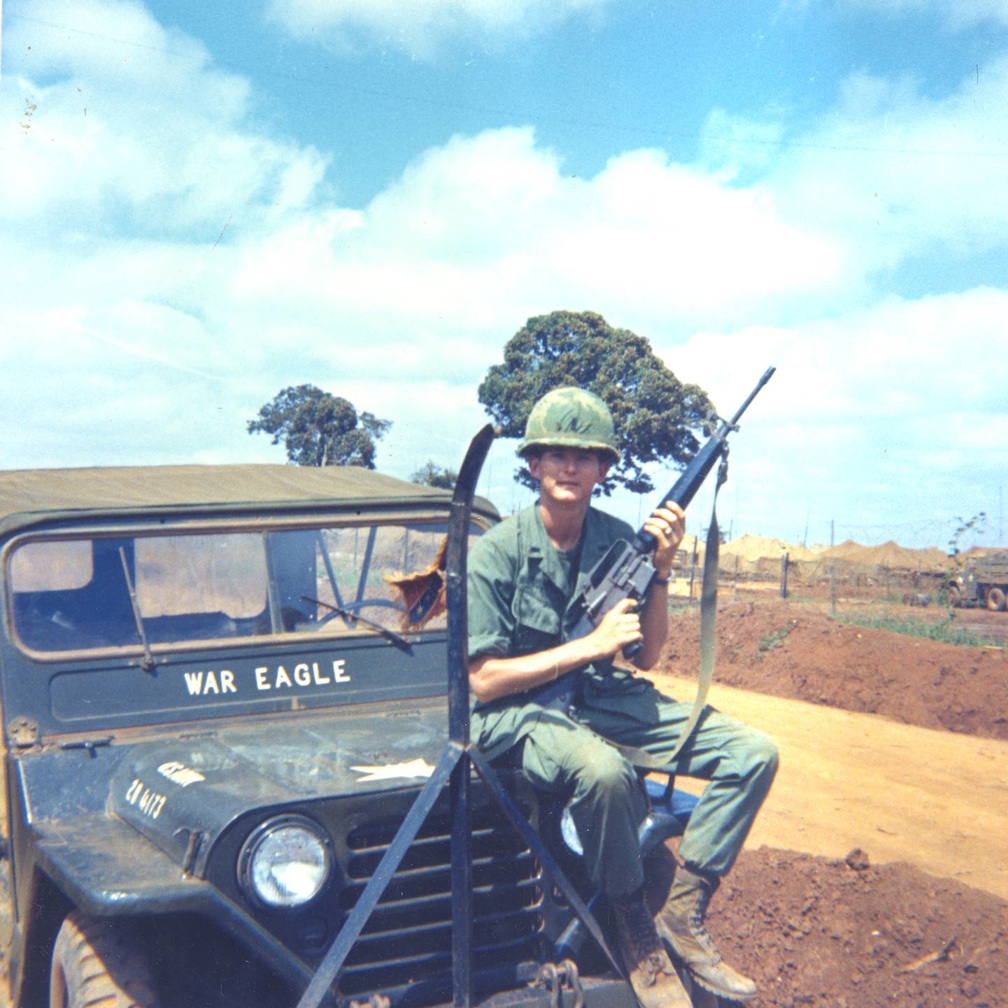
571	417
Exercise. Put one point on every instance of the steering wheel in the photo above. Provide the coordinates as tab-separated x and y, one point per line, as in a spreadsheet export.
348	611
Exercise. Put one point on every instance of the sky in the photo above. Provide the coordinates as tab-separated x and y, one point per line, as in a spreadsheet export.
202	204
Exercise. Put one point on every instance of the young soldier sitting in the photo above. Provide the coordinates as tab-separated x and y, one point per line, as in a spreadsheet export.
523	575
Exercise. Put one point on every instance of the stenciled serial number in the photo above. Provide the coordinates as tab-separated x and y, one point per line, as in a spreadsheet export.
146	799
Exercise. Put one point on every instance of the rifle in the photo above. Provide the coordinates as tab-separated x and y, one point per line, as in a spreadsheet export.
626	570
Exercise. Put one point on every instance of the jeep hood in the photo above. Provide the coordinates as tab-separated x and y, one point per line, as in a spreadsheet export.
182	793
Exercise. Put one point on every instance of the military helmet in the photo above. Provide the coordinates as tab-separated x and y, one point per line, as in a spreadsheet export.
571	417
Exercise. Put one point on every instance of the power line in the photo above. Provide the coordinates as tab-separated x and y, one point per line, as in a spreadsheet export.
596	125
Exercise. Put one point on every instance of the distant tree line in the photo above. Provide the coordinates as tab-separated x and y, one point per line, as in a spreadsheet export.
657	416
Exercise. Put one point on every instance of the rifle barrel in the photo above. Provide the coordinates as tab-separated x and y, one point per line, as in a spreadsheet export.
767	375
692	477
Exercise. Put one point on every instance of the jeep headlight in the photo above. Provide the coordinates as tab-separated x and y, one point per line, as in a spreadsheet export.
285	862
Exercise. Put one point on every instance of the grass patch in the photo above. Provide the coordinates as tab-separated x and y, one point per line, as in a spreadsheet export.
945	630
775	639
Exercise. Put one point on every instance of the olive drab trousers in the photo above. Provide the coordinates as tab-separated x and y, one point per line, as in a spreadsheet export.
569	756
520	601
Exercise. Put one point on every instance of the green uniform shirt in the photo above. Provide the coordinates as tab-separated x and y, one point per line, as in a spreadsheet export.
520	603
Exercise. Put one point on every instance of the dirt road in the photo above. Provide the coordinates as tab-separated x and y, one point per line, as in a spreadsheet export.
935	799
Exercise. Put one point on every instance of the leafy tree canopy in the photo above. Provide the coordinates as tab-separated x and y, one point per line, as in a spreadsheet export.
655	413
433	475
320	429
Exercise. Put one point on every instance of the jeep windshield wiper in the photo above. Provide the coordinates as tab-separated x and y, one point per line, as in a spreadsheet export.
148	659
352	617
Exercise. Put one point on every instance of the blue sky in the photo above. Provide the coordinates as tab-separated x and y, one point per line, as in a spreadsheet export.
201	204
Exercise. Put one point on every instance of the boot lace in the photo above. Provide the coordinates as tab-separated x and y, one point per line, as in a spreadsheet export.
698	926
639	940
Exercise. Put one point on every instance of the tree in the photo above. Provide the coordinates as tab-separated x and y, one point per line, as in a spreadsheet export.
977	522
433	475
655	413
320	429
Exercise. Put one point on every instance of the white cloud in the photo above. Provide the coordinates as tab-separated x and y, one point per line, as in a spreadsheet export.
957	14
903	401
419	26
484	230
167	267
894	173
125	125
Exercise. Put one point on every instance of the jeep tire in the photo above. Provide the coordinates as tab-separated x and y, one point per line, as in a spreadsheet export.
96	962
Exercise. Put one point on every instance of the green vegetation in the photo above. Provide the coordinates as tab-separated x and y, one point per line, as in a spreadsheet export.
319	429
775	639
657	416
943	630
433	475
975	524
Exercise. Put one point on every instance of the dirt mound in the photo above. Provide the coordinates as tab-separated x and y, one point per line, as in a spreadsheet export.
797	652
752	548
750	555
847	934
826	933
889	555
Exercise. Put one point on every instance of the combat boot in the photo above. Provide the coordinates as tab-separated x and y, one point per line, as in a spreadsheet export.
649	969
680	922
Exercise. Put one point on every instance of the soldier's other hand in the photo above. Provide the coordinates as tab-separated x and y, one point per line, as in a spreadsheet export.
668	526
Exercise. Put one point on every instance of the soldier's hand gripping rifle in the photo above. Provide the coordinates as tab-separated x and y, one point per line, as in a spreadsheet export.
626	570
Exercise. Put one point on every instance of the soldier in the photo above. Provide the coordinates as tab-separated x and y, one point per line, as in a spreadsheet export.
523	576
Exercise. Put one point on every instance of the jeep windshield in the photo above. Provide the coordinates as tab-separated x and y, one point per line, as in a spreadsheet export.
82	592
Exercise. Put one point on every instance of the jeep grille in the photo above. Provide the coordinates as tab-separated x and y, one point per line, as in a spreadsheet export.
407	942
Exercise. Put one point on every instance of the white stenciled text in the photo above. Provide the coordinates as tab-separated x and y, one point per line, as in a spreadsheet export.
210	682
180	774
147	800
301	674
293	676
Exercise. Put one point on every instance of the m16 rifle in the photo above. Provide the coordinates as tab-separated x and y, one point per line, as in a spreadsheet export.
626	570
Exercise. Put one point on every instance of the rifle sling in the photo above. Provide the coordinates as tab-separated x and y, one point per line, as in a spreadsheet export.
708	642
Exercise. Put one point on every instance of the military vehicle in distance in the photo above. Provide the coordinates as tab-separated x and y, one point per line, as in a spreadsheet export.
215	724
983	581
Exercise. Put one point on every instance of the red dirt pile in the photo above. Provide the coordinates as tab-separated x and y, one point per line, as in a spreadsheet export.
845	933
797	652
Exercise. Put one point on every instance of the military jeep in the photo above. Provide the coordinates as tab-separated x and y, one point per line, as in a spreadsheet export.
215	724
